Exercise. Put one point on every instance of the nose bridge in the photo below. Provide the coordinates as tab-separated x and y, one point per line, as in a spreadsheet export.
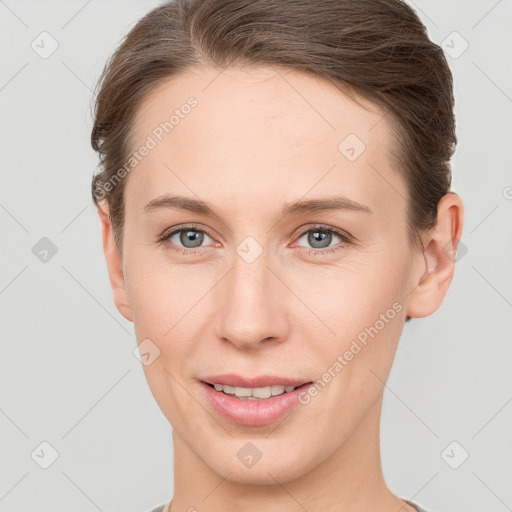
251	310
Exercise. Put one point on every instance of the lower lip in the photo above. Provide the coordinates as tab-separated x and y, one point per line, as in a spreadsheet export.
253	413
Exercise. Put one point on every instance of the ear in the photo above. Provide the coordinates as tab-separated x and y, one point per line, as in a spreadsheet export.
435	270
114	262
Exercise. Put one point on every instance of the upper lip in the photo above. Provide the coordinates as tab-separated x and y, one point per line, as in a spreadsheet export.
259	381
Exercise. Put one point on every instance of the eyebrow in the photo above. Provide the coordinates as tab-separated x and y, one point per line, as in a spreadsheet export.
289	209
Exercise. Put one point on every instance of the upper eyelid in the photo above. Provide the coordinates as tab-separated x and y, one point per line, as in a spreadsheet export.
340	233
173	231
321	227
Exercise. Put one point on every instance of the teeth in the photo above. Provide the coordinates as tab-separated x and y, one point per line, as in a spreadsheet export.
240	391
279	390
254	393
262	392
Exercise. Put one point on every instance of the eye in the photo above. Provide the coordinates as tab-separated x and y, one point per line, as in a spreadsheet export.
185	239
321	237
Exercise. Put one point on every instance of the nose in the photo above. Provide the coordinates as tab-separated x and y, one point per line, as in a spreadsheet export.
252	307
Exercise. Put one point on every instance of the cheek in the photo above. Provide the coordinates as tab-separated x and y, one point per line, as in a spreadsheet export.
355	361
350	295
356	313
169	304
154	287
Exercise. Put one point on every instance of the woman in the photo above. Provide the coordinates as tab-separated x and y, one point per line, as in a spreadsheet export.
275	204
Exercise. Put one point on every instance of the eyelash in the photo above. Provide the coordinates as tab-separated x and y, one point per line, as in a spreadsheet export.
346	239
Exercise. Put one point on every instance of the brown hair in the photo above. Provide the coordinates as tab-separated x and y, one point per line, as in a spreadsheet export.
378	49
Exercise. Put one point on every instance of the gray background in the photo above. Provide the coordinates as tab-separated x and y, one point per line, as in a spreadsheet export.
68	374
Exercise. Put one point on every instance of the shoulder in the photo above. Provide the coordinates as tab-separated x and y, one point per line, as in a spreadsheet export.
414	505
159	509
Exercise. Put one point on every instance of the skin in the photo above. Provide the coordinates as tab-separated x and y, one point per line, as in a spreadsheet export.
257	139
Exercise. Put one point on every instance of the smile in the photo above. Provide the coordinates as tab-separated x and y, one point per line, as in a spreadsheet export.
252	407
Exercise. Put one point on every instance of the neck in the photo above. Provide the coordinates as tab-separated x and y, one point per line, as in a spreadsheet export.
349	480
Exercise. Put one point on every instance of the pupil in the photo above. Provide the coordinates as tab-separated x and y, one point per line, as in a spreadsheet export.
191	236
319	236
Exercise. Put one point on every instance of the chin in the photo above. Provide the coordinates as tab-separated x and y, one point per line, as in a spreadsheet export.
263	474
291	465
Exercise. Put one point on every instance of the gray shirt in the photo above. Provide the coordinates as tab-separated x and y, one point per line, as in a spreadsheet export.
417	507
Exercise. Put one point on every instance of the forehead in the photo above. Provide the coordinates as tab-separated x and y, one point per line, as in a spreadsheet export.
261	131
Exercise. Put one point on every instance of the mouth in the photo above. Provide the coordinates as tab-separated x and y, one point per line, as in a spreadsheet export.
253	405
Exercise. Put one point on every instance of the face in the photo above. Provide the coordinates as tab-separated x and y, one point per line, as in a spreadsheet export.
263	279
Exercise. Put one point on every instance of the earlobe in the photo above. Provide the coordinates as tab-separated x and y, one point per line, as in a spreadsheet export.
114	262
434	272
